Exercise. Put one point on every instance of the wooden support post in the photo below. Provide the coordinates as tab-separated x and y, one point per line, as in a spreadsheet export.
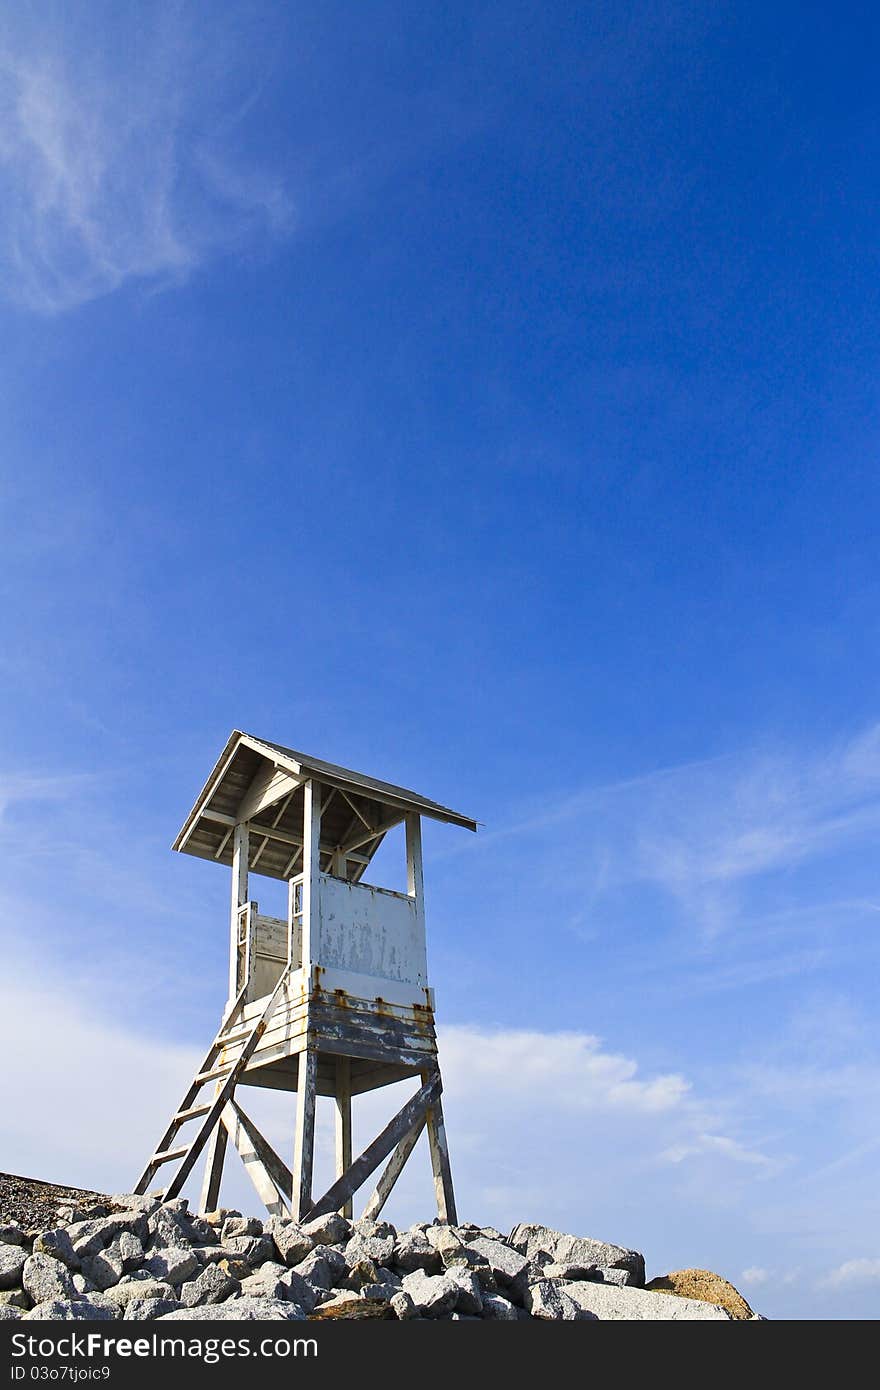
440	1157
311	870
382	1190
239	896
343	1123
304	1143
210	1196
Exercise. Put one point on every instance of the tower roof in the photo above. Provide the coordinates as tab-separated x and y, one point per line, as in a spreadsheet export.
262	783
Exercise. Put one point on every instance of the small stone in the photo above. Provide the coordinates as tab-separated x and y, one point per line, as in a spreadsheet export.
82	1284
348	1305
322	1267
12	1261
135	1201
88	1237
11	1235
507	1265
45	1278
10	1313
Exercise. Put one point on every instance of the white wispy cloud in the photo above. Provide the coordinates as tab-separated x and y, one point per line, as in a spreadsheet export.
852	1274
114	163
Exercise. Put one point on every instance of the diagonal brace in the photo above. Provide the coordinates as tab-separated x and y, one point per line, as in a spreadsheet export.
396	1130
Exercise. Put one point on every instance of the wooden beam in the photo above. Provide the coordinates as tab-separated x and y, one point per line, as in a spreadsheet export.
440	1157
210	1195
239	897
271	1178
382	1190
346	1186
343	1123
270	785
304	1141
373	835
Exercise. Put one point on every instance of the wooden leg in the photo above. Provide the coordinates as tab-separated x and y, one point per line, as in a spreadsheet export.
343	1123
304	1145
382	1190
440	1161
210	1197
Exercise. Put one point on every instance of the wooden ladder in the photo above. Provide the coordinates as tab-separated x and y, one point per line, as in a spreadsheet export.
240	1042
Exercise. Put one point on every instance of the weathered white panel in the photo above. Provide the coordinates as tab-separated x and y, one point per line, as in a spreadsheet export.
370	931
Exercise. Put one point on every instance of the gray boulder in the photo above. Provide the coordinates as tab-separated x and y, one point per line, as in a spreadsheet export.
331	1229
254	1249
11	1235
58	1244
10	1313
211	1286
499	1308
434	1295
148	1309
322	1267
169	1227
14	1298
289	1239
135	1201
403	1306
44	1278
556	1246
12	1261
104	1269
88	1237
239	1310
139	1286
413	1250
469	1298
547	1299
173	1264
507	1265
69	1310
608	1303
240	1226
371	1245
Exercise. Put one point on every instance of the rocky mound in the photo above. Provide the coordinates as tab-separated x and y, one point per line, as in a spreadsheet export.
139	1259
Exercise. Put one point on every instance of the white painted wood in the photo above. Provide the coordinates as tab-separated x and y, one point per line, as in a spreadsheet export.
244	1135
304	1138
370	931
311	870
270	785
415	881
363	839
210	1194
343	1123
239	896
440	1157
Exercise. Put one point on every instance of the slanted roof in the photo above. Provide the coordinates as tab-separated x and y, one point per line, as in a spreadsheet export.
262	782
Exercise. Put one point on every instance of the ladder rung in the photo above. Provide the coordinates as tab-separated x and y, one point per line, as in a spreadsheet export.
214	1073
193	1113
168	1154
224	1039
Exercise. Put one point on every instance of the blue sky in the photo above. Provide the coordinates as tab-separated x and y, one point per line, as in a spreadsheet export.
482	396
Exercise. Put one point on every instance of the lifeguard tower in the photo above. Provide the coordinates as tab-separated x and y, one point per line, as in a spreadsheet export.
332	1001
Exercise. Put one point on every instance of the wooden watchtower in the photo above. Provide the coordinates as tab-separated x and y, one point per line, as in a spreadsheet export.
332	1001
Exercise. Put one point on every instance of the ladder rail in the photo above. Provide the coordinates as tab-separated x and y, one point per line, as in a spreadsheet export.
212	1112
